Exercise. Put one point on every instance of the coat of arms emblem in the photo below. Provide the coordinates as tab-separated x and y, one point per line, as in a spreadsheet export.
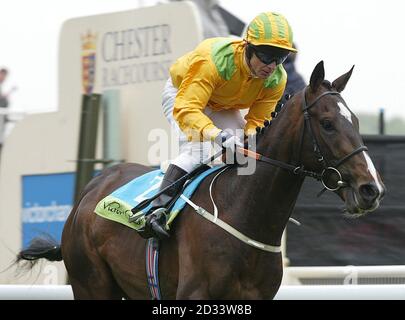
88	62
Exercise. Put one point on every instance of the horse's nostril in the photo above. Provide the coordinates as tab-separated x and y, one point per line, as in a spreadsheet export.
369	192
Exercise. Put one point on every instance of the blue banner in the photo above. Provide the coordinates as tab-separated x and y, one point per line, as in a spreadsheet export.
47	202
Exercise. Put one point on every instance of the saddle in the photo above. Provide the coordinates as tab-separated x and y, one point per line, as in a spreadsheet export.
118	206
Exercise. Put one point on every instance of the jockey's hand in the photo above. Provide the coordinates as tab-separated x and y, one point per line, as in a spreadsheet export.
228	141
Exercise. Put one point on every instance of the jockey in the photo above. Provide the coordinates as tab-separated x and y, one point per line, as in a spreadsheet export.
207	88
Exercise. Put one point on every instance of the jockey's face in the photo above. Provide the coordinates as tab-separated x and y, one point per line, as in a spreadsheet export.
260	69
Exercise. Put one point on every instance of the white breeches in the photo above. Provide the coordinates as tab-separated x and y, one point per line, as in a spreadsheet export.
192	154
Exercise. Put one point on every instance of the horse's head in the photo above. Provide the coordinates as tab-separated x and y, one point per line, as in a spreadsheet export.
317	135
333	146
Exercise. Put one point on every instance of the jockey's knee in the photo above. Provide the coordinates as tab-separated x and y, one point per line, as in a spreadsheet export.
186	162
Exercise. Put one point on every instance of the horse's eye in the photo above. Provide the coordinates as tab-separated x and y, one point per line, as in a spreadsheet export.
327	125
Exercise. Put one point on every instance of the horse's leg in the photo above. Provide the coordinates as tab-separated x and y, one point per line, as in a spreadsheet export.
192	283
95	251
101	285
89	275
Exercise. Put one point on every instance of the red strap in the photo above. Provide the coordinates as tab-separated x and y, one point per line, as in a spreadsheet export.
249	153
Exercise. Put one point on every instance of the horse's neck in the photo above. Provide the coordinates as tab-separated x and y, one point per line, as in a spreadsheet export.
270	192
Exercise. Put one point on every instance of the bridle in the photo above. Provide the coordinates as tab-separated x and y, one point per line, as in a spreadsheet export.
328	167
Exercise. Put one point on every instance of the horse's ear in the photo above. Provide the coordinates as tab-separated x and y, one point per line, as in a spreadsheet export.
340	83
317	77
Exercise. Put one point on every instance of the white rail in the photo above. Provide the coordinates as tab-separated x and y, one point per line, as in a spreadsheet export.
364	271
348	274
36	292
338	292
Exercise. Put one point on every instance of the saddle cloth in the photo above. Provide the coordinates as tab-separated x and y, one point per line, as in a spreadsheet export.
117	206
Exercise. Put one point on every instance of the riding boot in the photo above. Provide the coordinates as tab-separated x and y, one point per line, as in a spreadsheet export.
157	219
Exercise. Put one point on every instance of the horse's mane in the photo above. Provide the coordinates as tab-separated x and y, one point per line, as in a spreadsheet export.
260	130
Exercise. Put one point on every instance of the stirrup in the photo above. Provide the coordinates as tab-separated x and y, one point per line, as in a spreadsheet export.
156	221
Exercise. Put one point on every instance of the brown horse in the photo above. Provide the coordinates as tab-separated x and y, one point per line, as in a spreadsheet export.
315	135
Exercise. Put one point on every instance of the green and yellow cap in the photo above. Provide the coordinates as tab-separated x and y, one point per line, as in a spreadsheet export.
270	29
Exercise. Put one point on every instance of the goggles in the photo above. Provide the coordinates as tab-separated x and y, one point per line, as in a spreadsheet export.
270	57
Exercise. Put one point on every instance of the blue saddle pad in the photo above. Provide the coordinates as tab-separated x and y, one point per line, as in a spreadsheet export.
117	206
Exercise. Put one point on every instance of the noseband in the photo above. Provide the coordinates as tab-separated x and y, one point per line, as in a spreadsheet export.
329	167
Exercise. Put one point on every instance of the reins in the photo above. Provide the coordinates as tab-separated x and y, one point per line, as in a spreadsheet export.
299	170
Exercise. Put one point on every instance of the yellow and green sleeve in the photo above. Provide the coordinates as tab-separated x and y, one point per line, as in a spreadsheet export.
193	95
263	107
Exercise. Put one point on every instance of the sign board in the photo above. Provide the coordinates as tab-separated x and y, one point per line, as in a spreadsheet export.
47	202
